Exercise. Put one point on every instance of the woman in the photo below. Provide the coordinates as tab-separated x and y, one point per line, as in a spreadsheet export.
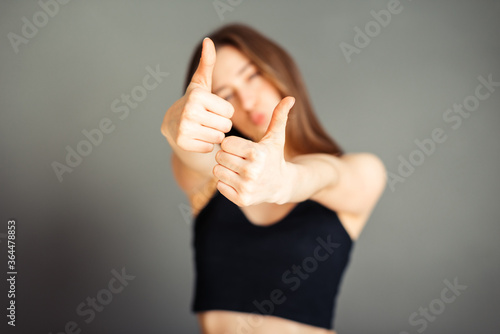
277	204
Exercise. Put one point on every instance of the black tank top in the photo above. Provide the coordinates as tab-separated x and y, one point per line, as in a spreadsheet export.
291	269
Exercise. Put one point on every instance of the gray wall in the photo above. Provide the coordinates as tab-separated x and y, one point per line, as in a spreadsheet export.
120	207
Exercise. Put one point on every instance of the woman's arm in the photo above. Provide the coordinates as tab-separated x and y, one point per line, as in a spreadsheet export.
350	184
252	173
202	163
195	124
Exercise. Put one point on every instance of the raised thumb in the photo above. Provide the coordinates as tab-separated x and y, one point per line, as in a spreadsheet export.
203	74
277	126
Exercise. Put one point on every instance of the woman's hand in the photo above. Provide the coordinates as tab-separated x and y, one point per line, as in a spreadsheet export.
199	119
251	173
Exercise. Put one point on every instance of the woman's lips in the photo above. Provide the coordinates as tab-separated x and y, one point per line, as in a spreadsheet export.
258	119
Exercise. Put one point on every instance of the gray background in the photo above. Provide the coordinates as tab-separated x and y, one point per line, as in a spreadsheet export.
121	207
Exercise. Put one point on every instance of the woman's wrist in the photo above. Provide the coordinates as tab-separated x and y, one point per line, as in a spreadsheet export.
305	176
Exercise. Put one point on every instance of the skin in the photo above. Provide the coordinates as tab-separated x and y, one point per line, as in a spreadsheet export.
262	175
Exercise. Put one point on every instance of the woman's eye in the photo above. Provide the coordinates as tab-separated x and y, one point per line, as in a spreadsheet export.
254	75
228	97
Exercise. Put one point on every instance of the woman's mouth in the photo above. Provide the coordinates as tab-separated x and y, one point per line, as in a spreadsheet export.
258	119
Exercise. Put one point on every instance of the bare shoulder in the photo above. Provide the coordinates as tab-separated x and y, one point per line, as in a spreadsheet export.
198	188
370	169
362	181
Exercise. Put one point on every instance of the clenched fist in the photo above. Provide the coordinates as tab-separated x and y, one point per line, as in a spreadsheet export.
199	119
251	173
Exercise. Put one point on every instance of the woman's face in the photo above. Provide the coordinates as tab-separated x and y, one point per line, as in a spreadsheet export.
237	79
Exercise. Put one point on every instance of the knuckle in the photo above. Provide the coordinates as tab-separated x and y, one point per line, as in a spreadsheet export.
226	142
220	137
252	152
218	156
172	124
207	148
262	153
230	109
182	130
196	94
215	170
189	112
248	173
227	126
182	143
255	153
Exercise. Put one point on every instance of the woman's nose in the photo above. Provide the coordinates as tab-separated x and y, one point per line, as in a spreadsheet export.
247	99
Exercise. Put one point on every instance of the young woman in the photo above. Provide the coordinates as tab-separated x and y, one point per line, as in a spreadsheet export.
277	204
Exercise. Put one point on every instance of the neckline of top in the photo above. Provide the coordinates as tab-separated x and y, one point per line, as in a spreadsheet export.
268	226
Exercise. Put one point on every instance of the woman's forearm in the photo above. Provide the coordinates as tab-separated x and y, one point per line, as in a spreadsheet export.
202	163
307	175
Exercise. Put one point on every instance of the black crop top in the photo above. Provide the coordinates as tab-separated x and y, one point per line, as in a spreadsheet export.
291	269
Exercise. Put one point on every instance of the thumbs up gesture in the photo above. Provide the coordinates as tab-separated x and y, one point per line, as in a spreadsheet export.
250	173
199	119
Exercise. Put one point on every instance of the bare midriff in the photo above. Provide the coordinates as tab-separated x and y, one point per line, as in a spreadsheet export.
228	322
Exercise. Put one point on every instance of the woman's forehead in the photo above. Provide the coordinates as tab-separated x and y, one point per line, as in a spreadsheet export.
229	64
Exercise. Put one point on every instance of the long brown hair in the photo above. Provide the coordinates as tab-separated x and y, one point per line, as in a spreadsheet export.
304	133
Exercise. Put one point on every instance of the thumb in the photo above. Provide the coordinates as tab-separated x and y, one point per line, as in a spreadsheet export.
277	126
203	74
